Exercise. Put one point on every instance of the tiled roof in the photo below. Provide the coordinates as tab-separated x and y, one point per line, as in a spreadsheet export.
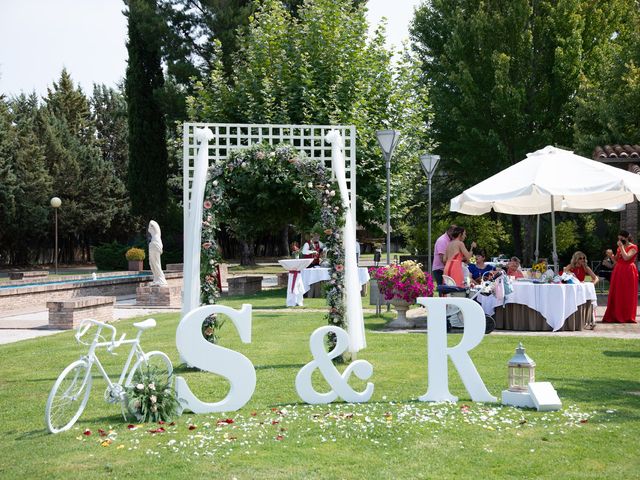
616	151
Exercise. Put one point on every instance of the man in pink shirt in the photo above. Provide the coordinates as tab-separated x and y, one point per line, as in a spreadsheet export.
440	248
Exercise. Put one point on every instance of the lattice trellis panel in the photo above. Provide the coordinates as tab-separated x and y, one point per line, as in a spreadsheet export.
307	138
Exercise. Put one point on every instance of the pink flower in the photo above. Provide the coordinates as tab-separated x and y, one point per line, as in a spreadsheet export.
339	267
207	204
206	245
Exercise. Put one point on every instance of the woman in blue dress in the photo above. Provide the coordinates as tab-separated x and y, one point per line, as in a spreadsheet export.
478	269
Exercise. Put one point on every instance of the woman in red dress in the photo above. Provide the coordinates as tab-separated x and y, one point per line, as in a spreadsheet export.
623	290
579	268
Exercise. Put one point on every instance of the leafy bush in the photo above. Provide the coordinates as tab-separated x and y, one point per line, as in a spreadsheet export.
111	256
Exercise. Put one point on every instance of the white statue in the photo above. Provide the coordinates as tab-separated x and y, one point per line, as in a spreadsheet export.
155	251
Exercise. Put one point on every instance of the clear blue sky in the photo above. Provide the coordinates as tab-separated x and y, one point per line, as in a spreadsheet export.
40	37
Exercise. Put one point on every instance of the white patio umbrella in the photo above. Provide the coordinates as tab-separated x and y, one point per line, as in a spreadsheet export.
550	180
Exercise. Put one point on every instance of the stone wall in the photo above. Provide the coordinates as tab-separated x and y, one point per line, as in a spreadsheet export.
36	296
68	314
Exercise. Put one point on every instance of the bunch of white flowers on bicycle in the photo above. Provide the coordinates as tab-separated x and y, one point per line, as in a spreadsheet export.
151	399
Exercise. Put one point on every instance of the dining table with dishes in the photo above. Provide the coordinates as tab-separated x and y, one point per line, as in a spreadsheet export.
534	306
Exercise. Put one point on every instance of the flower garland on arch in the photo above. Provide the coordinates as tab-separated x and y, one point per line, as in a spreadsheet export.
309	180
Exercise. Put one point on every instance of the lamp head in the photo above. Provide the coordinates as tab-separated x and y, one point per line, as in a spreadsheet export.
56	202
429	163
388	139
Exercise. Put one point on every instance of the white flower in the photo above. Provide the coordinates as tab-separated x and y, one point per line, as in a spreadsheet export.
140	386
211	262
214	183
327	192
152	386
153	399
328	185
244	165
154	408
310	184
332	193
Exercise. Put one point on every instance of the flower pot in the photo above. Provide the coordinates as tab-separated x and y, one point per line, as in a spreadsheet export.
401	320
135	265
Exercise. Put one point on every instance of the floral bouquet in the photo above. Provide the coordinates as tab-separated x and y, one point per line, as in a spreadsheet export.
406	281
150	398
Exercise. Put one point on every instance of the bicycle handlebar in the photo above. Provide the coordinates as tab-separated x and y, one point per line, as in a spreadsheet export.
86	324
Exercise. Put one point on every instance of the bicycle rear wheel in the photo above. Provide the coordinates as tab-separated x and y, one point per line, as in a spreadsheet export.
68	397
158	365
156	361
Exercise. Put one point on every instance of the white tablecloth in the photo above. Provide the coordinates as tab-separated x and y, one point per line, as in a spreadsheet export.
555	302
310	276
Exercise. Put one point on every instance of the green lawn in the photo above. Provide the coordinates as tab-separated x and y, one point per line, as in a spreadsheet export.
393	436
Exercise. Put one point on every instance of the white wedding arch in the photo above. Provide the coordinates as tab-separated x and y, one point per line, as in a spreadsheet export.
229	136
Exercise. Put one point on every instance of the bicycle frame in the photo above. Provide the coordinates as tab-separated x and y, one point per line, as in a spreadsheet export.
92	358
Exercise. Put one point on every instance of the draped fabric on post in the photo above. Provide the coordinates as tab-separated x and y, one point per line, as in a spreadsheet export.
193	235
355	319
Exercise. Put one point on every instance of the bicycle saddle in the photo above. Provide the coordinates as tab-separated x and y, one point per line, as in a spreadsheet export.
145	325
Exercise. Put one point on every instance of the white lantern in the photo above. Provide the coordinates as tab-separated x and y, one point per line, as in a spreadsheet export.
522	371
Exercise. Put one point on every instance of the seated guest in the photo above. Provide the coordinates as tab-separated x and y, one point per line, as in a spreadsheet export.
480	267
579	268
513	268
313	249
606	266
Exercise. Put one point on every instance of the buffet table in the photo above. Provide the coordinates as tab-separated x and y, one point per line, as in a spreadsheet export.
543	306
296	288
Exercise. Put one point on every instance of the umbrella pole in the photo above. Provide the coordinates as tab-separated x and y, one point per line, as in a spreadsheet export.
537	252
553	236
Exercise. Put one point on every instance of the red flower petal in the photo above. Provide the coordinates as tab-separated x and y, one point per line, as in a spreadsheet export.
87	432
102	432
253	414
157	430
274	422
584	420
160	422
192	427
279	437
131	426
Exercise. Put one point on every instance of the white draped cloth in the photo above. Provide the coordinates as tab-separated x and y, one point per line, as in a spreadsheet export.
193	236
355	318
308	277
555	302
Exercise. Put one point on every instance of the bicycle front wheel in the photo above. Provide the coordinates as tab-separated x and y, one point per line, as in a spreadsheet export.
68	397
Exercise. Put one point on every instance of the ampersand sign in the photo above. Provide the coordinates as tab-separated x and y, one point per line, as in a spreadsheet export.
339	383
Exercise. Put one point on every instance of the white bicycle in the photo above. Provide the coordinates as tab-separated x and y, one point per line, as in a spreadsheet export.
70	393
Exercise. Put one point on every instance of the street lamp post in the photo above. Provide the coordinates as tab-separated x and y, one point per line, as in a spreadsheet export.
55	203
388	140
429	164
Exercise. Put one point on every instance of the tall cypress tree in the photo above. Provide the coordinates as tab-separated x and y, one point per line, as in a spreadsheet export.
148	163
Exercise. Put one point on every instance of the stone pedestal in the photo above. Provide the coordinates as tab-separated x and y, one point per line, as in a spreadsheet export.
401	320
67	314
156	296
245	285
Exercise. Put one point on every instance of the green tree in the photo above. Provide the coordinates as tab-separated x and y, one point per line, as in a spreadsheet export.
604	114
30	227
318	68
503	78
8	145
87	184
148	163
